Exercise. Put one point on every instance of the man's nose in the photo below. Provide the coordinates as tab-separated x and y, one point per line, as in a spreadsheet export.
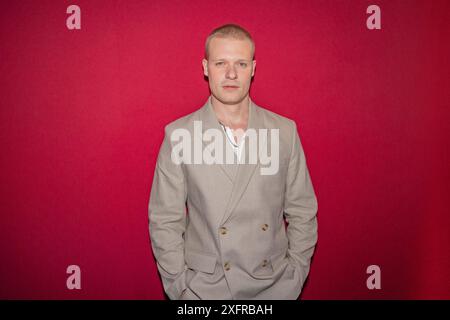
231	73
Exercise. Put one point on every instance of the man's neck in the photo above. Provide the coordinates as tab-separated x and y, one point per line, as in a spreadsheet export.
233	116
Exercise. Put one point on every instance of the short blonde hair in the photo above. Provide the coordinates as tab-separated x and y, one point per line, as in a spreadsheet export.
232	31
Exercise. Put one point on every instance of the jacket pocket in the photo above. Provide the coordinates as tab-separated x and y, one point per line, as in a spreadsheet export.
188	295
200	261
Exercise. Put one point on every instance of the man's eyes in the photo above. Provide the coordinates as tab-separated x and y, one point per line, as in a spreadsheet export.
221	63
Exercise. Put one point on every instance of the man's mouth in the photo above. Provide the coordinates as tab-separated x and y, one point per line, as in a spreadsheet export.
230	87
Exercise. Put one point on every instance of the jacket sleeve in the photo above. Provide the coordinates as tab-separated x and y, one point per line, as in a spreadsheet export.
167	220
300	208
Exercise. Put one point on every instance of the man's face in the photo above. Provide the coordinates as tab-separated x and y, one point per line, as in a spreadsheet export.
229	69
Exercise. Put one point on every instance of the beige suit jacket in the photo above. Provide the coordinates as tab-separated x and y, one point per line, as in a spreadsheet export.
233	242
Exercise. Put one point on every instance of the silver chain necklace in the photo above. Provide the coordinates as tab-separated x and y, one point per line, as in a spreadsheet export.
228	138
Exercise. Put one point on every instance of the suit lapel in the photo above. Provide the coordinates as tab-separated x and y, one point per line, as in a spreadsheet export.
209	121
239	173
245	169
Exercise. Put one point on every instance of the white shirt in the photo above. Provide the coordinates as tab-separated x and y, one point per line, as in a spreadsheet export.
237	147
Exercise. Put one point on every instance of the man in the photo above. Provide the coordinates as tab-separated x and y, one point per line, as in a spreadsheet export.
233	242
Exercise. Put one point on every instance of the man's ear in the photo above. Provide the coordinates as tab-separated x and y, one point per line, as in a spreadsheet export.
254	67
205	67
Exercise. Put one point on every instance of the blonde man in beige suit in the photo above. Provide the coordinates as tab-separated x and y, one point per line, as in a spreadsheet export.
231	242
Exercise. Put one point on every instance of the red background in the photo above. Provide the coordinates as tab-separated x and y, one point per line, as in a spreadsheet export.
83	112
